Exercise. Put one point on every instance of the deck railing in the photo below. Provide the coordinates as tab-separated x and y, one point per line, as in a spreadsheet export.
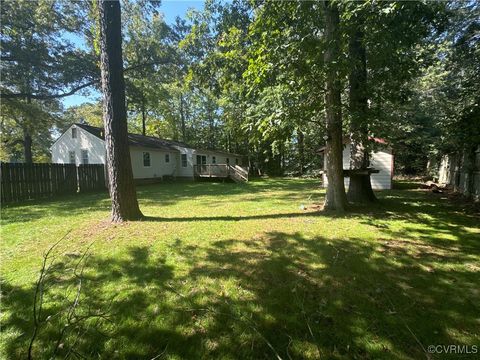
214	170
238	172
235	172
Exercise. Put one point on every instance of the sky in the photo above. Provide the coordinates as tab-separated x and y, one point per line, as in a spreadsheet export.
170	8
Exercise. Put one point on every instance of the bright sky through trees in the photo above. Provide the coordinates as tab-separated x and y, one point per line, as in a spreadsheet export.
170	9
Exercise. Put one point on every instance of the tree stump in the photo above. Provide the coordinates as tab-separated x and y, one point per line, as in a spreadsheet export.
360	188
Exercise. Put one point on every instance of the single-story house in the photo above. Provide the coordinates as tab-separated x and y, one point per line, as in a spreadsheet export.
152	157
381	159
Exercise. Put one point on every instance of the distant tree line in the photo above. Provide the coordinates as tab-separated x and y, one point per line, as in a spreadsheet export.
274	80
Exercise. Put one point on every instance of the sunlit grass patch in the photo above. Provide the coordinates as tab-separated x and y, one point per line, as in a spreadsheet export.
221	270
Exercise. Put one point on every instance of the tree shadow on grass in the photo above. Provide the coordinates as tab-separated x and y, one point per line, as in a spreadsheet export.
123	289
189	219
69	206
150	195
284	295
313	298
425	217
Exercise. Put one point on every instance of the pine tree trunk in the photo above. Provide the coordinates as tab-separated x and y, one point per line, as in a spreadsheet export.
336	198
182	119
27	138
282	158
301	150
211	121
119	167
27	146
144	119
469	154
360	188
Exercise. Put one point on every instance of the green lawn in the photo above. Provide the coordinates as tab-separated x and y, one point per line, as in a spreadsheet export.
239	271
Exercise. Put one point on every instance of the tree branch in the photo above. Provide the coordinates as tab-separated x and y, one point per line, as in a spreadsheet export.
8	95
38	297
13	143
4	95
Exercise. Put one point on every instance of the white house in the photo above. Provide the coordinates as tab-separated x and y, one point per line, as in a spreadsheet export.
152	157
381	159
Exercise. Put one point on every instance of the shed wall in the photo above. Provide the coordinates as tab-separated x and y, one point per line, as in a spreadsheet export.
380	160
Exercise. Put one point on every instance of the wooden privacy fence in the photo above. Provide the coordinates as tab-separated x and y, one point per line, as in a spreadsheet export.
91	177
33	181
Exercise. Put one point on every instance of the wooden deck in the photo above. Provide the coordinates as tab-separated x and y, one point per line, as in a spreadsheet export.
222	171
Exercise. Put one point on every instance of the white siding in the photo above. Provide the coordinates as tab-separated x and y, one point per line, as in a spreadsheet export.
158	167
185	171
83	141
220	158
380	160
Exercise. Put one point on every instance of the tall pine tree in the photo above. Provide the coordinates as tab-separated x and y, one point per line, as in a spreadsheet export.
119	167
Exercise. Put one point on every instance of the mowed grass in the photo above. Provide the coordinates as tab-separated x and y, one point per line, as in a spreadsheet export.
240	271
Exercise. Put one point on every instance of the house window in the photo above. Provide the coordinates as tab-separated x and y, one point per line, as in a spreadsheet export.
167	158
184	160
74	133
201	160
146	159
85	157
214	160
71	156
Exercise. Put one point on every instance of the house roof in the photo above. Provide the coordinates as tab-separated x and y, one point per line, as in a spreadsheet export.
137	139
151	141
346	140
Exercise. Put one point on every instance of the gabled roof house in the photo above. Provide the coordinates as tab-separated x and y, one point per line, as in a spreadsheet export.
152	157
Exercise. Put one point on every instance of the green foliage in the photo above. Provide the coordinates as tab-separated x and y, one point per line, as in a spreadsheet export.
90	113
148	55
39	119
249	77
38	63
440	113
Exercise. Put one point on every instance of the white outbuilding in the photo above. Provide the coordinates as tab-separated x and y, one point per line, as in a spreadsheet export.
381	159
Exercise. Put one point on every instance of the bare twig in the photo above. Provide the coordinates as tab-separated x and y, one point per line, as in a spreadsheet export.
38	296
161	354
72	319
